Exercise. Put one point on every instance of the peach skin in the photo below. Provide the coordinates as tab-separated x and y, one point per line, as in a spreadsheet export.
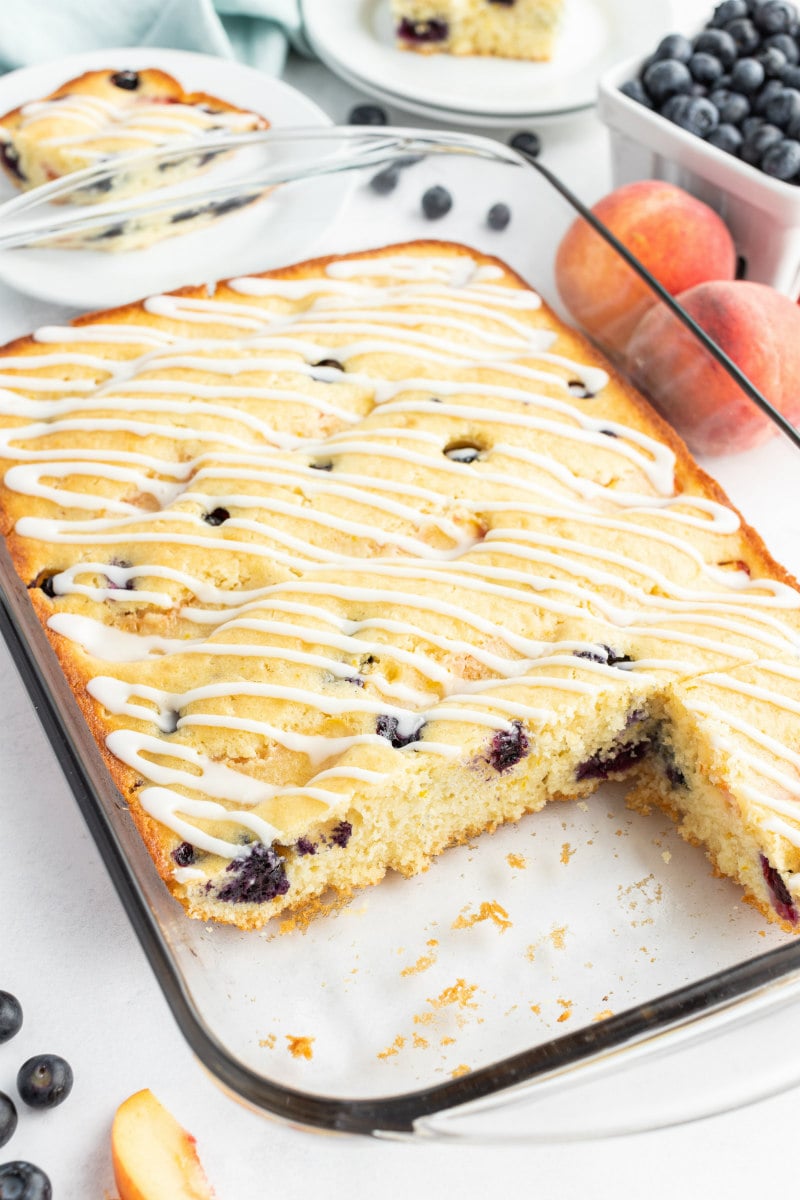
680	240
757	327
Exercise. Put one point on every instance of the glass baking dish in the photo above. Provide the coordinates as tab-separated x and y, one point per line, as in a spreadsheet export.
578	974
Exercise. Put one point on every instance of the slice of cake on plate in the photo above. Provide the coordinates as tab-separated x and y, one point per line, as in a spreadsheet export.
102	115
502	28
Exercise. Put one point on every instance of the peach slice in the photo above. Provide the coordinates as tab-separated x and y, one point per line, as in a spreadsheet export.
153	1157
680	240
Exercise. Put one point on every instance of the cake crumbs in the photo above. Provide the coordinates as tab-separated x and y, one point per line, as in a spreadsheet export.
463	1069
566	853
558	936
300	1047
423	963
666	856
420	1043
395	1048
459	993
603	1015
530	953
567	1007
517	861
268	1042
447	1041
489	910
536	1008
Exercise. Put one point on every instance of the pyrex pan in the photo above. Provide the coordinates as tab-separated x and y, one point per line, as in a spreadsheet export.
578	974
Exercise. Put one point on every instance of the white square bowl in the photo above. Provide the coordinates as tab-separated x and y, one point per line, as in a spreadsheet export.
762	213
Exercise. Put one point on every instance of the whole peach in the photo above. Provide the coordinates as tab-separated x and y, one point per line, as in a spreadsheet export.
757	327
679	239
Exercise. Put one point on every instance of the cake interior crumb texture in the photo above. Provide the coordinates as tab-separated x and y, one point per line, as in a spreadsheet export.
502	28
354	560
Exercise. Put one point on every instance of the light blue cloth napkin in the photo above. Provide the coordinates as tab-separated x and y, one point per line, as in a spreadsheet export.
257	32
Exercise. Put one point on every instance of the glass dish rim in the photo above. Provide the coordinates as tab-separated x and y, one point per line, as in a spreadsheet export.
692	1007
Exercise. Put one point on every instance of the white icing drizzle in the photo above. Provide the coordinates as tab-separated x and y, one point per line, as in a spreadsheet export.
232	388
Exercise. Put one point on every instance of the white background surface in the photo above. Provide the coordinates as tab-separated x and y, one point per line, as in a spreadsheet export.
67	952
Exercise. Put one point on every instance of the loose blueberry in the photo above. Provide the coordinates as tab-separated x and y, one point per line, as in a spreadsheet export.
23	1181
666	78
183	855
527	142
747	76
44	1081
699	116
770	89
634	91
127	80
784	108
217	516
786	44
367	114
705	68
727	138
782	160
781	897
776	16
773	61
422	31
258	877
8	1118
729	10
390	728
10	1016
385	181
341	834
674	46
720	43
498	217
755	145
508	747
436	203
744	34
732	107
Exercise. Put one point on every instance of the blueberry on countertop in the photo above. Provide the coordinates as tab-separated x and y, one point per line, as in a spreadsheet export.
436	202
385	181
23	1181
368	114
44	1081
498	217
8	1118
10	1016
527	142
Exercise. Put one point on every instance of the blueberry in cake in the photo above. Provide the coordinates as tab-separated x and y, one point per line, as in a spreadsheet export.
104	114
503	28
353	560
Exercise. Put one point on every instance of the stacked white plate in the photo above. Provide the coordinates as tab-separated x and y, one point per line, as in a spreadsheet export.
355	39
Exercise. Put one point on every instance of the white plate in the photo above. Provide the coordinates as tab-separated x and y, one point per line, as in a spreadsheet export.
279	229
355	39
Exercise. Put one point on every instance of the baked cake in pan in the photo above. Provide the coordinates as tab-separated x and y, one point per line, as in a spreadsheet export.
352	560
504	28
104	114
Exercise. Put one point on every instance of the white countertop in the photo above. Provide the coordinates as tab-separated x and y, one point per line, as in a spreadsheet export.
68	952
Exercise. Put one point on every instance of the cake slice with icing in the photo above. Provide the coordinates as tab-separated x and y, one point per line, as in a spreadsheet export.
503	28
